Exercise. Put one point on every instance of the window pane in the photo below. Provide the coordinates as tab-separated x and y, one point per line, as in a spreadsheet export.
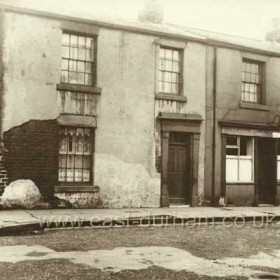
82	42
168	65
232	141
175	55
175	78
72	65
162	53
88	67
167	87
167	77
89	43
174	88
65	39
80	78
176	67
74	53
245	170
89	55
64	77
232	151
73	77
74	40
88	79
81	66
162	64
62	175
82	54
64	64
168	54
246	146
231	170
65	52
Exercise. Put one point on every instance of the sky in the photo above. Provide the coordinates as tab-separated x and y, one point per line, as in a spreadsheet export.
248	18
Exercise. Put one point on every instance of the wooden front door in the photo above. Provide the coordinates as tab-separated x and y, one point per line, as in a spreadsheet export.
178	168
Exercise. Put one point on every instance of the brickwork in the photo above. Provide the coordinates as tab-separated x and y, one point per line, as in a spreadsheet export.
3	174
31	152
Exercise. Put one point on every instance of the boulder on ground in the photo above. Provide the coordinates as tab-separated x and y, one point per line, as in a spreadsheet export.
21	194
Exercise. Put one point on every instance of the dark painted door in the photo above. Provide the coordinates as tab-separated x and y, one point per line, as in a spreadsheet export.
178	168
266	171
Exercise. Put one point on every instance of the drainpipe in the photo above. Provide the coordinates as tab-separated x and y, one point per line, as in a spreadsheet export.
214	125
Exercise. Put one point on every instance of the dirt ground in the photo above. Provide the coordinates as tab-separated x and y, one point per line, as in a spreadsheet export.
210	243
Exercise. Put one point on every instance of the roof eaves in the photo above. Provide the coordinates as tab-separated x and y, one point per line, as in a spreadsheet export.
164	31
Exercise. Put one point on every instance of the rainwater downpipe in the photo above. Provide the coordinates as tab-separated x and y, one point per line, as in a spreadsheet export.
214	124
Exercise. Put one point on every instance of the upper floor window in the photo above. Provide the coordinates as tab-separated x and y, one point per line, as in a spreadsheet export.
78	59
252	72
170	73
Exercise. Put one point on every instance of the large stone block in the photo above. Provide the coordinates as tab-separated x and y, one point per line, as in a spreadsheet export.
21	194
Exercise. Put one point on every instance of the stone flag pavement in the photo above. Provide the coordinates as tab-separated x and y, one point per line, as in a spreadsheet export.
21	221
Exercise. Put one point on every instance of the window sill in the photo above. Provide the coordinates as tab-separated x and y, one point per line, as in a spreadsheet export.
240	183
253	106
77	120
79	88
81	188
171	97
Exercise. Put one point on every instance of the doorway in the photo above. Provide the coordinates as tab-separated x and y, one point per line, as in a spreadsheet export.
266	170
179	168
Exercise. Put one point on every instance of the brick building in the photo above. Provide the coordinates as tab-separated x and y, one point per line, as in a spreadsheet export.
153	114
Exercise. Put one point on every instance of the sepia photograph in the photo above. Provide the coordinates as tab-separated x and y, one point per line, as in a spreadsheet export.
140	139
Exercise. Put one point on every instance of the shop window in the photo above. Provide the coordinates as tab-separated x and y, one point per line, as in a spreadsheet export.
170	73
239	159
75	155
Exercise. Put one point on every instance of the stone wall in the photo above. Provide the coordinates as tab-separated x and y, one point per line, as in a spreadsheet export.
3	172
31	152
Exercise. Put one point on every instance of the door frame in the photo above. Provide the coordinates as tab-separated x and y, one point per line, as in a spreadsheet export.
180	123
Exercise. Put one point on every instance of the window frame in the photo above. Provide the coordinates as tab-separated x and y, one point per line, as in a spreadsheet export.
94	63
180	51
240	157
91	156
261	85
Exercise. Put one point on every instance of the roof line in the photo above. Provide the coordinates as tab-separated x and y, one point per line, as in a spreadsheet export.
193	29
104	24
140	30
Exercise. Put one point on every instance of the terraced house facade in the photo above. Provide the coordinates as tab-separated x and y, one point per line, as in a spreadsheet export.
153	114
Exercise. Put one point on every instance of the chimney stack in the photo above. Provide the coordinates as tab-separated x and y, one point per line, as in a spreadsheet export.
274	34
152	12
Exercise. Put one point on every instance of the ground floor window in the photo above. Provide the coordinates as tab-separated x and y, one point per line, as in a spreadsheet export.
75	155
239	159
